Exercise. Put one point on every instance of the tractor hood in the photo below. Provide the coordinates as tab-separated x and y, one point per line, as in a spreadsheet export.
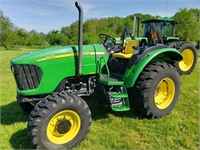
44	54
35	71
51	54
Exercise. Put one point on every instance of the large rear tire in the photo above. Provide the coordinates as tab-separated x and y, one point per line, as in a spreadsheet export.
189	53
156	90
60	121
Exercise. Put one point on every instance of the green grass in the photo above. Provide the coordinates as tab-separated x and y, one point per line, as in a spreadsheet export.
109	130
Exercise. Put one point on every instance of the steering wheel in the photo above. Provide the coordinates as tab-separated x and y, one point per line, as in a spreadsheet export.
106	38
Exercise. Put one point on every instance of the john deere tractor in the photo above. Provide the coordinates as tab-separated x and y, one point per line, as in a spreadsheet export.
52	82
162	30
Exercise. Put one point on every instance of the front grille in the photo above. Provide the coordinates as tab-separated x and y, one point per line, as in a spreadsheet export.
27	77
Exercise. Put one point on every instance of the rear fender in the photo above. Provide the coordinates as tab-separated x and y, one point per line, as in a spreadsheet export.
132	74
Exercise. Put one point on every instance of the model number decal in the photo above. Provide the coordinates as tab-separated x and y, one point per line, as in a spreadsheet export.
69	55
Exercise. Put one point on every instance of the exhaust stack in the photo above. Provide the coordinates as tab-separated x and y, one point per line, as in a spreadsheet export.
138	26
134	24
80	37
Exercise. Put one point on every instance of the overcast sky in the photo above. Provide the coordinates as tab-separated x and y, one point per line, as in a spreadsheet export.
46	15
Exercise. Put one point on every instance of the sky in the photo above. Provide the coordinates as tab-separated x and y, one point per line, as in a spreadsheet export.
46	15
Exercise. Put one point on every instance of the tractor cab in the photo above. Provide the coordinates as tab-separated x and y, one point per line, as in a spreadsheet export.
160	30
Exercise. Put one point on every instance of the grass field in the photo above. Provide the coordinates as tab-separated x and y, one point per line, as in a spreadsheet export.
109	130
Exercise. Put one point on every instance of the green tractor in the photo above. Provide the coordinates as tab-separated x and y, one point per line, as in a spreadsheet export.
52	82
162	30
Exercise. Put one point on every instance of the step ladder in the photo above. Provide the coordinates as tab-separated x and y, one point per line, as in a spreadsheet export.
119	101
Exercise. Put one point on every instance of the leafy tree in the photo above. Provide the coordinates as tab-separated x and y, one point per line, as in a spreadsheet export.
71	33
12	36
6	28
56	38
188	28
21	36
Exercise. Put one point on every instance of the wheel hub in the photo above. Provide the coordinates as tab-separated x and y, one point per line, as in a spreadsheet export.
64	126
188	60
164	93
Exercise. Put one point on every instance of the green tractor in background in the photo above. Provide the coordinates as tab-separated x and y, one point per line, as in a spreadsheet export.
162	30
52	82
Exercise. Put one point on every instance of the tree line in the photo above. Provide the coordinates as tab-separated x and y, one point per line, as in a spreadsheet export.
12	36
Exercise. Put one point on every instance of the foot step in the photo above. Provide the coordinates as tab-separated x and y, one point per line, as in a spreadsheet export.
119	101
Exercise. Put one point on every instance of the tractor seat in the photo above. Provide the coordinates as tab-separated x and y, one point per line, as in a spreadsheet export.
129	50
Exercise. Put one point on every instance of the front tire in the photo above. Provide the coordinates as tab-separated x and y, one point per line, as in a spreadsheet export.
60	121
156	90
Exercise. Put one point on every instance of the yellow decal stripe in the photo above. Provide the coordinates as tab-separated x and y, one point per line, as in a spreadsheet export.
66	55
69	55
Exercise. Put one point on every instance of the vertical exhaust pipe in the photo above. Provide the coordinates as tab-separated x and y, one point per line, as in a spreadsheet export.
80	37
138	26
134	24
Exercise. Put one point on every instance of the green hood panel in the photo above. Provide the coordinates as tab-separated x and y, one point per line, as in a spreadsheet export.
58	63
31	57
53	53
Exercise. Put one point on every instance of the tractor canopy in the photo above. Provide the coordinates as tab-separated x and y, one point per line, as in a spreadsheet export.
161	19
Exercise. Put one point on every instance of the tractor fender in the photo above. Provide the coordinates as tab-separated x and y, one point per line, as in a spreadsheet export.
147	57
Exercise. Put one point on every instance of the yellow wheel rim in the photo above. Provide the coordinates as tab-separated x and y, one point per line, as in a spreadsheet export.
63	127
164	93
188	60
